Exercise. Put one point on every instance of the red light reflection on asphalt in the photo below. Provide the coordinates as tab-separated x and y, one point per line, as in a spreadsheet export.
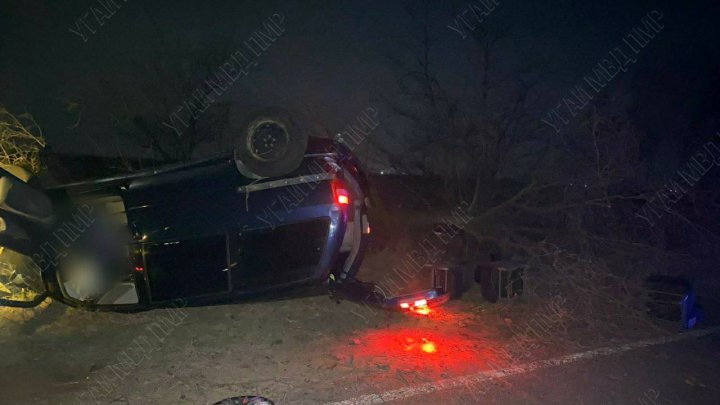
424	345
430	351
428	346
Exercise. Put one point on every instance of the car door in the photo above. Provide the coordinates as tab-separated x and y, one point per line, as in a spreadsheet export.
182	222
196	267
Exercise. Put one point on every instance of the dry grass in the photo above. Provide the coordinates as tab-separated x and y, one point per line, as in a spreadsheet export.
21	141
580	302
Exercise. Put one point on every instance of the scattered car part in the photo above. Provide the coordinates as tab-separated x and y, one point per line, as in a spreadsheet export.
673	299
500	279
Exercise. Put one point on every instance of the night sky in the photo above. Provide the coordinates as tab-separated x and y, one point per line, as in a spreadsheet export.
336	58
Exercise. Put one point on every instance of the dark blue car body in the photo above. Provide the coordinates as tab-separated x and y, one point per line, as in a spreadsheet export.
202	232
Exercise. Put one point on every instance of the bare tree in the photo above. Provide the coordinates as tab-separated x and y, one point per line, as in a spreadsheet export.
21	141
166	73
463	138
164	88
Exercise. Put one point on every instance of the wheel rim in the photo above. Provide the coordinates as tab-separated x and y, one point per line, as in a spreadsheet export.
268	140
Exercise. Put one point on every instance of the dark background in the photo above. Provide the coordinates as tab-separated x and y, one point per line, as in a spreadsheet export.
338	57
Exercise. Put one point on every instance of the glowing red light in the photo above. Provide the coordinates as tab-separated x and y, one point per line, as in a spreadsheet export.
404	305
420	303
341	194
139	269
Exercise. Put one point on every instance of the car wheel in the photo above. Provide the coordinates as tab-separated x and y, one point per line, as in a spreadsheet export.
271	144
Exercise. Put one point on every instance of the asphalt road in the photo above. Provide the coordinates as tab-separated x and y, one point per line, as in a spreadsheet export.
311	351
682	372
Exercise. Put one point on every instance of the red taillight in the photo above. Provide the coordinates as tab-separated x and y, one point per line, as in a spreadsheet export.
139	269
404	305
341	194
420	303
